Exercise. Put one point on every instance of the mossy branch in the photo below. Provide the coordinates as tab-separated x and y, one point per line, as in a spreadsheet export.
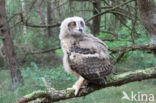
112	80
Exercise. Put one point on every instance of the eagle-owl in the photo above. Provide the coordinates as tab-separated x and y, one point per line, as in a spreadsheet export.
85	56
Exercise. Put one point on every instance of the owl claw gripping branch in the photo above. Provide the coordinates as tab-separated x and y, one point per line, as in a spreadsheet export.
85	56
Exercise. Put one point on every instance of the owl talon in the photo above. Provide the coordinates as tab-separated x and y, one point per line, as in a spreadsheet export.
75	89
76	92
70	89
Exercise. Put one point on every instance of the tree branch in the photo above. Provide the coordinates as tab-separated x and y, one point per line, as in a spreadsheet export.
101	13
41	26
125	49
40	52
112	80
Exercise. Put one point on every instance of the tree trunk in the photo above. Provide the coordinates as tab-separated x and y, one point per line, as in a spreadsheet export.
96	20
42	17
8	46
24	15
147	10
50	17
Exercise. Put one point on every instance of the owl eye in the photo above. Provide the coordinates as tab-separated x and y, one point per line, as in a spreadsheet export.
82	24
73	24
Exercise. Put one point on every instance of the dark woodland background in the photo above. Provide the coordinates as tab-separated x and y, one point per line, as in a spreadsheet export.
30	47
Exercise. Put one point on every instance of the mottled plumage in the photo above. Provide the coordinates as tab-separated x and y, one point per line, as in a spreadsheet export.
92	68
85	56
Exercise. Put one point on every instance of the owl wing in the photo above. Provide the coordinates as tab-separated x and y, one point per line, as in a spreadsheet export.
88	61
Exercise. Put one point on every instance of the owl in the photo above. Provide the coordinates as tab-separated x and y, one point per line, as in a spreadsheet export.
84	55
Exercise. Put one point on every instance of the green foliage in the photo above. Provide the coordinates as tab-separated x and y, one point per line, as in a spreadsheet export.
59	52
125	40
37	66
57	78
52	75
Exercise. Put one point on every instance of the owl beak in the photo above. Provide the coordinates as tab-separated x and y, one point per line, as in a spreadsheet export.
80	30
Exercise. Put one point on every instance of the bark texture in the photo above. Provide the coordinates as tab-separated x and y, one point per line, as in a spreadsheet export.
50	18
8	46
147	10
97	19
42	17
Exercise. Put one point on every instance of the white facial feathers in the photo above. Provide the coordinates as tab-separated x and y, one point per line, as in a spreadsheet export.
65	29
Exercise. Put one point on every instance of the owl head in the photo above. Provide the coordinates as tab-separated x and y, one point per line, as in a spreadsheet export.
72	26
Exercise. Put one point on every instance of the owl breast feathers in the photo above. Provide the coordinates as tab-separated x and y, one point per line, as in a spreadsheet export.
88	57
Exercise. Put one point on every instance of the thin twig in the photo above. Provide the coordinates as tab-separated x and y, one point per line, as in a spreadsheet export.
101	13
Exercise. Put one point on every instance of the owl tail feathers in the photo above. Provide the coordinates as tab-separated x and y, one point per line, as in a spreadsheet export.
98	81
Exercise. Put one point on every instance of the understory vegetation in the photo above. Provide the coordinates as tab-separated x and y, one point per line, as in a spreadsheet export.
58	79
39	55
